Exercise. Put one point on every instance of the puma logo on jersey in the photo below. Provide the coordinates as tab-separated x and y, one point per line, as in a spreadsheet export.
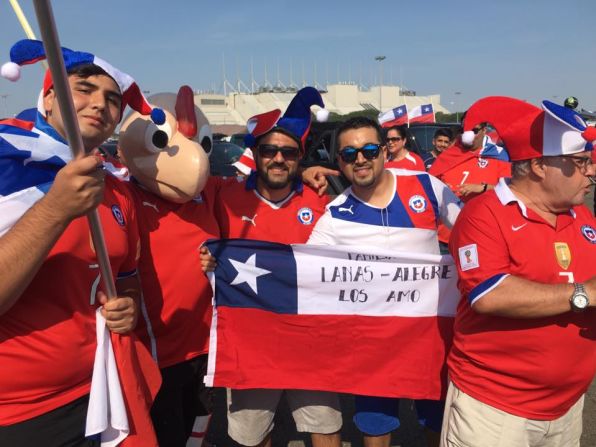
248	219
342	209
151	205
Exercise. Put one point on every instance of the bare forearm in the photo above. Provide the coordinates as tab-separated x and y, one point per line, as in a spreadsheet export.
24	248
516	297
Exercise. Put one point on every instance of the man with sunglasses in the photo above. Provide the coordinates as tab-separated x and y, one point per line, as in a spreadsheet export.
272	204
390	208
524	350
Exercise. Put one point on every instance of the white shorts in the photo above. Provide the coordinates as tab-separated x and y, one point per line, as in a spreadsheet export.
251	412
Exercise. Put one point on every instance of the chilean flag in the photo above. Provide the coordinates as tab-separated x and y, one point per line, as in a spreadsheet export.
422	114
394	117
345	319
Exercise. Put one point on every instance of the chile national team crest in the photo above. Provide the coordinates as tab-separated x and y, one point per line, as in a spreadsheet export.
417	203
305	216
589	233
482	163
117	213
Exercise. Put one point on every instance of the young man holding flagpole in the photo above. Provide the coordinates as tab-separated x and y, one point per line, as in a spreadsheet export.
49	293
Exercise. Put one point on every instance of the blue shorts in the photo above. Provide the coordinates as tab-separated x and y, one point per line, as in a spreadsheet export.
379	415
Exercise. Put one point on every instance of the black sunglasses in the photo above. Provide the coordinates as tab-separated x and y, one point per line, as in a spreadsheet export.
271	150
369	151
394	139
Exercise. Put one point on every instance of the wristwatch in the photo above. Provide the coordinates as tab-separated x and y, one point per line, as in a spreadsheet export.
579	300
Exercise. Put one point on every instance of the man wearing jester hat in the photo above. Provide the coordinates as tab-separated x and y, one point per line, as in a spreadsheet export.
273	204
49	290
524	349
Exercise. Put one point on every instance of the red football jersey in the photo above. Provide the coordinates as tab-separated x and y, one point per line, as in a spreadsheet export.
176	292
474	170
533	368
47	339
243	213
411	161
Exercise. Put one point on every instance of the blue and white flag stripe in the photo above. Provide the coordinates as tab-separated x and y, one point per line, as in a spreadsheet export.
332	280
29	161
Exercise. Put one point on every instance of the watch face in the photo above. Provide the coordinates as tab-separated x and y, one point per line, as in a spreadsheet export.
580	301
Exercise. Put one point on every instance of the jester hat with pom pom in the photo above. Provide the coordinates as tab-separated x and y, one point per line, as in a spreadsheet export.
28	51
294	123
529	132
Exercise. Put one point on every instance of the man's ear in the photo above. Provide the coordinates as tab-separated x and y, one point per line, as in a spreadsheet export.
48	101
538	167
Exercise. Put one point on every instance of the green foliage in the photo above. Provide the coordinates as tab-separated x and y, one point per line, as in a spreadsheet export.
448	117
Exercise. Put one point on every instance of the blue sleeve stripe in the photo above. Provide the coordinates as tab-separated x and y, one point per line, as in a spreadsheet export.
485	286
430	192
122	275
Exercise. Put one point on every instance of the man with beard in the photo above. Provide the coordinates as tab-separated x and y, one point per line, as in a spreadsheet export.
396	209
273	205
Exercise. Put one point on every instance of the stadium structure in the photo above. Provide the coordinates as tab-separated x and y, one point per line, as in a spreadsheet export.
233	108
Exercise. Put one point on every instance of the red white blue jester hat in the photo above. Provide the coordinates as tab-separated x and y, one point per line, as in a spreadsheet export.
529	132
294	123
28	51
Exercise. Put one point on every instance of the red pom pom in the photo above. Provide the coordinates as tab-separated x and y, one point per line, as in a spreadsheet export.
589	134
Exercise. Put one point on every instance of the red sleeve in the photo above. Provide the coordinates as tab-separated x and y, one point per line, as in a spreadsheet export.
127	205
504	169
479	248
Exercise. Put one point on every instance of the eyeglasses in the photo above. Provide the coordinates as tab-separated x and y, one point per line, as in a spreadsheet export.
369	151
394	139
477	129
583	163
271	150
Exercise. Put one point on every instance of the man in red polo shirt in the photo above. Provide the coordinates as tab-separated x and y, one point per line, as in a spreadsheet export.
524	350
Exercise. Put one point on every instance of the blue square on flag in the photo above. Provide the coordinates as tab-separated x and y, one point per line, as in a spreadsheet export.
255	274
399	111
427	108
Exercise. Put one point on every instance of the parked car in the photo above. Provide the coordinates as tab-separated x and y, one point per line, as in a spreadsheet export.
222	157
420	136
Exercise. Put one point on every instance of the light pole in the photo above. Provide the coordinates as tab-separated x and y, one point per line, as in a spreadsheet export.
380	59
456	106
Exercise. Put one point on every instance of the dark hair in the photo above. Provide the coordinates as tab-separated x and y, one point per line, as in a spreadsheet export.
87	70
401	130
358	122
443	132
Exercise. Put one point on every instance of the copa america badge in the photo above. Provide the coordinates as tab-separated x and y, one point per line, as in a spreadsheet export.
589	233
305	216
118	215
417	204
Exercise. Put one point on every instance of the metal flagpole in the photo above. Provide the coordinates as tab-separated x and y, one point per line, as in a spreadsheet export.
51	43
25	24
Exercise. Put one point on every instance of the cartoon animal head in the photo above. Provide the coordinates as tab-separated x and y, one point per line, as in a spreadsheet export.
170	160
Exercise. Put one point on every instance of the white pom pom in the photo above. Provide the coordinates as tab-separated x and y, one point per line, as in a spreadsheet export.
11	71
467	138
322	115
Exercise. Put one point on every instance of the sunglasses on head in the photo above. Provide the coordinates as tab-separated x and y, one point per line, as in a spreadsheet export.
271	150
369	151
394	139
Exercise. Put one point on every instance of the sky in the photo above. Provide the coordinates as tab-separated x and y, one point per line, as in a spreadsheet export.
460	49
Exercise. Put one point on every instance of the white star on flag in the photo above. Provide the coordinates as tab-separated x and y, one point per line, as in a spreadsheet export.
248	272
